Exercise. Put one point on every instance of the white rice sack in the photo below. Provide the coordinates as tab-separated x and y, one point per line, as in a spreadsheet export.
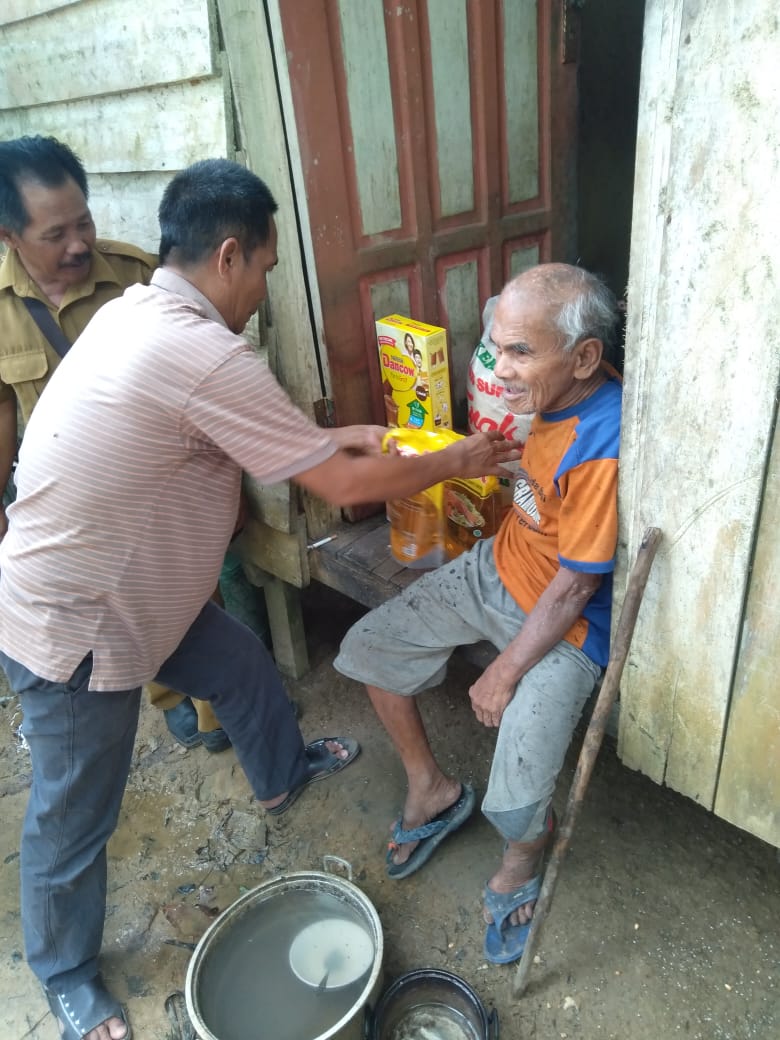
485	393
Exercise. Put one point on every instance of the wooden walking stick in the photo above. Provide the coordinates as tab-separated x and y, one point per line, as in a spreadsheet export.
590	745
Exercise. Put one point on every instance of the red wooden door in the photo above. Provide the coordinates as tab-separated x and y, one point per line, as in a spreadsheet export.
437	140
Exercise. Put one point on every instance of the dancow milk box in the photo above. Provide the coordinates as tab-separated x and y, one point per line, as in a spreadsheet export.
415	373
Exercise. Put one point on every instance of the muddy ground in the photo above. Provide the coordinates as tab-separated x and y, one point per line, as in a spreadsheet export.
665	922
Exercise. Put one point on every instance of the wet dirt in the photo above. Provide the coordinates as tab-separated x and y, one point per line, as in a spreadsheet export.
665	921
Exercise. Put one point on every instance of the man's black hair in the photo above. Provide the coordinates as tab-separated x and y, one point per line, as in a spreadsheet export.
44	160
211	201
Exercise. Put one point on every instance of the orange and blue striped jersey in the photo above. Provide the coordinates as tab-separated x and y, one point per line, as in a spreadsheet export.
564	511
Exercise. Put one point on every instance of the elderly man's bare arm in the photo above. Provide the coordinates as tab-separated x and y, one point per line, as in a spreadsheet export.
556	610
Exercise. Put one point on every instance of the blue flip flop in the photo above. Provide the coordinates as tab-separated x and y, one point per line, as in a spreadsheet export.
430	835
505	943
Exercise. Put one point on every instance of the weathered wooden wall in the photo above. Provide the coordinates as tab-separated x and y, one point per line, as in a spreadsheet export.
699	708
135	89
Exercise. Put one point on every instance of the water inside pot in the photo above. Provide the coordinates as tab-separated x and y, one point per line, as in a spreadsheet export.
431	1004
431	1020
246	985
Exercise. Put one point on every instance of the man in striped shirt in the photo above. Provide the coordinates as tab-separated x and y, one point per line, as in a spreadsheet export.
55	275
128	486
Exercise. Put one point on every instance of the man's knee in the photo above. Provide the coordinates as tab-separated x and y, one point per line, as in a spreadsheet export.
524	824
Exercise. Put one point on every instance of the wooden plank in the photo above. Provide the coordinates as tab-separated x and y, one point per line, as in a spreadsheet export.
285	619
371	548
271	504
125	206
88	49
353	581
283	555
749	783
18	10
160	129
292	346
358	563
702	363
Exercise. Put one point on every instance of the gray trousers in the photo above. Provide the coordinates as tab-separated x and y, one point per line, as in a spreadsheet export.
81	744
404	645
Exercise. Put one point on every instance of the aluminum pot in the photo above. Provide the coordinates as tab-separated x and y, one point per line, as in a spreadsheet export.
353	1024
431	988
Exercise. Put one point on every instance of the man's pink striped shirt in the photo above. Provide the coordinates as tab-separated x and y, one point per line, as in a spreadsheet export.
128	484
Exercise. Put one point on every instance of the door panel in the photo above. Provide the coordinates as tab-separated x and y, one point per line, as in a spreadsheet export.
437	147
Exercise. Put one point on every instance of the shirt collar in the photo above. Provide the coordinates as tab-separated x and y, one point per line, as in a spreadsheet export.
170	281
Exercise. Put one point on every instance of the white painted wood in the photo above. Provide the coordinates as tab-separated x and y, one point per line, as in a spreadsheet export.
371	114
452	104
522	99
702	363
749	783
292	347
161	129
298	185
18	10
88	49
125	207
250	64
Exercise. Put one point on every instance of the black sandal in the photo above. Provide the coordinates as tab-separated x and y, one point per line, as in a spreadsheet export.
81	1009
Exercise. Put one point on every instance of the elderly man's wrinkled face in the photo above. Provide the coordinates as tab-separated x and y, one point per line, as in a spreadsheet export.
56	245
538	376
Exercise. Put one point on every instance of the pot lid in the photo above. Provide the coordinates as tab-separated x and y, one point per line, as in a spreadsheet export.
331	953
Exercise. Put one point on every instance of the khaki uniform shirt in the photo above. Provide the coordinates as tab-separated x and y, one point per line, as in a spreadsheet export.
27	359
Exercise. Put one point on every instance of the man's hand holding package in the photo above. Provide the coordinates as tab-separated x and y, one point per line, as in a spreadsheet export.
359	440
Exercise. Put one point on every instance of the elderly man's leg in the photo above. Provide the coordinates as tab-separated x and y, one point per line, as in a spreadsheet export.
430	791
80	745
533	738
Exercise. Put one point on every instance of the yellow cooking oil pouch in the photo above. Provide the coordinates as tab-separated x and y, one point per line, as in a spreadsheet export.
417	522
472	510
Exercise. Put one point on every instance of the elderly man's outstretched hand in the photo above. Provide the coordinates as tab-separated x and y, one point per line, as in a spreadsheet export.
484	453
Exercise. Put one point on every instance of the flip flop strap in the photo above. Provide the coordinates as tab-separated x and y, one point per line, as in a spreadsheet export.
502	904
426	830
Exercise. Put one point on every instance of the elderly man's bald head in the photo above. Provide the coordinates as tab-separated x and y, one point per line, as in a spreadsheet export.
577	302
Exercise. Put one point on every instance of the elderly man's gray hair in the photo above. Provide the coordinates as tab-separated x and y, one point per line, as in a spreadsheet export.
592	310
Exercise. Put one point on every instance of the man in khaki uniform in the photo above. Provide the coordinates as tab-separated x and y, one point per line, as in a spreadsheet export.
55	262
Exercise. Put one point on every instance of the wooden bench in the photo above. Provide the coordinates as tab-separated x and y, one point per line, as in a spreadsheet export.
354	559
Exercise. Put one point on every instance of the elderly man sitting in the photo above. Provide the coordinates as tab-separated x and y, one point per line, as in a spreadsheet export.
540	591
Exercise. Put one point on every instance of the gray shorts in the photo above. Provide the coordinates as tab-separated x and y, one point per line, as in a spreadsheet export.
404	645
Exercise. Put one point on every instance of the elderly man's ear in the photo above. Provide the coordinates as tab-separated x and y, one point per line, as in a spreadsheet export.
589	353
